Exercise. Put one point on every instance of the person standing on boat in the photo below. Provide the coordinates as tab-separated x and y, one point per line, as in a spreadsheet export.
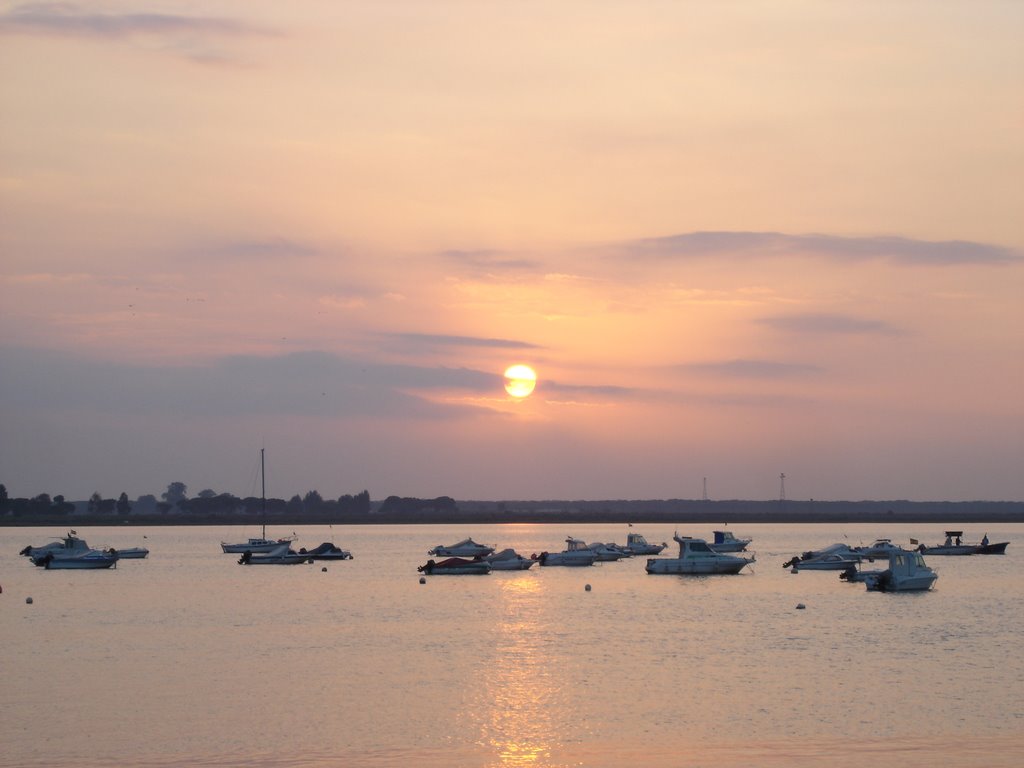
958	542
984	540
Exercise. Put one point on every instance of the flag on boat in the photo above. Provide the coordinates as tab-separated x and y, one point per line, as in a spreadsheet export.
914	541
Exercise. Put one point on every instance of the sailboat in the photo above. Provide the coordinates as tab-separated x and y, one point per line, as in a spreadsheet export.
262	544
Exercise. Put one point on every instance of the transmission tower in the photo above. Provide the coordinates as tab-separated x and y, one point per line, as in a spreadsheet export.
705	497
782	486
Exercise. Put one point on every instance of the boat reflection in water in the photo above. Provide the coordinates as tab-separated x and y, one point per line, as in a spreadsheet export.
514	704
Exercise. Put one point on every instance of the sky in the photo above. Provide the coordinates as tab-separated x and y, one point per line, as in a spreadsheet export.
733	239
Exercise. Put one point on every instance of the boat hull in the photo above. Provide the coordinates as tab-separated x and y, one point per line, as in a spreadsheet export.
992	549
568	559
80	563
512	565
254	545
693	567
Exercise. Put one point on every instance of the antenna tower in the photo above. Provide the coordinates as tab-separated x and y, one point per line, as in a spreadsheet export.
705	497
782	486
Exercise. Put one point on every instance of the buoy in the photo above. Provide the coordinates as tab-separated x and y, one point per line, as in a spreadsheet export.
800	606
28	600
423	579
587	587
324	569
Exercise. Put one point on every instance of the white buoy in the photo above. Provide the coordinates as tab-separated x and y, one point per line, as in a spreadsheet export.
423	579
28	600
587	587
800	606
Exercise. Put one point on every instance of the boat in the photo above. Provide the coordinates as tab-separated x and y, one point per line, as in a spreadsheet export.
697	557
576	553
261	543
955	545
327	551
280	556
509	560
67	546
464	548
130	553
607	553
878	548
835	557
907	572
91	559
725	541
638	545
455	566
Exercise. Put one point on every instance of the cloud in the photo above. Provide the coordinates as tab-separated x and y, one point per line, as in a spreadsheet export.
829	324
490	261
898	250
68	19
751	369
310	384
187	36
439	340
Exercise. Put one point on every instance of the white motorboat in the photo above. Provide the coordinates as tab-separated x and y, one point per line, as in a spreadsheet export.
455	566
907	572
130	553
260	543
464	548
836	557
327	551
92	559
576	553
68	546
280	556
696	557
607	553
725	541
878	548
509	560
638	545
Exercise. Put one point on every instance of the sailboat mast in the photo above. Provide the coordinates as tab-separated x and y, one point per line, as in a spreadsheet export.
263	491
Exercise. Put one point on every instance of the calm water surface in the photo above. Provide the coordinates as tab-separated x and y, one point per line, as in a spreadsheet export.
188	658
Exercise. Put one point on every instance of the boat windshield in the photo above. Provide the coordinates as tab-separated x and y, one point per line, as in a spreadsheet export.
699	546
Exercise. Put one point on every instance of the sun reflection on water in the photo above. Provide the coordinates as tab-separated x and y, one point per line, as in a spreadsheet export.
516	701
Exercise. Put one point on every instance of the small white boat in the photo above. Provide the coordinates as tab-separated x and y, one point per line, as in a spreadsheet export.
260	543
878	548
638	545
725	541
509	560
696	557
607	553
464	548
836	557
92	559
280	556
455	566
576	553
907	572
68	546
130	553
327	551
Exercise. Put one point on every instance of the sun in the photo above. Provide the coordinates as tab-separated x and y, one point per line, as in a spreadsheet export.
520	380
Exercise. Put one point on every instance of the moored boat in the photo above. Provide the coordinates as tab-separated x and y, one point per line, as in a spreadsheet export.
835	557
90	560
638	545
464	548
725	541
130	553
455	566
607	553
907	572
67	546
260	543
576	553
955	545
280	556
696	557
878	548
509	560
327	551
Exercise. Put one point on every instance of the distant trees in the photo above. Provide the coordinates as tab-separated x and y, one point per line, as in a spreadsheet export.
124	507
175	493
408	505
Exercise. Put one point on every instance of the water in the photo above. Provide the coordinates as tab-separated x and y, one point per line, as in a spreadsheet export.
188	658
